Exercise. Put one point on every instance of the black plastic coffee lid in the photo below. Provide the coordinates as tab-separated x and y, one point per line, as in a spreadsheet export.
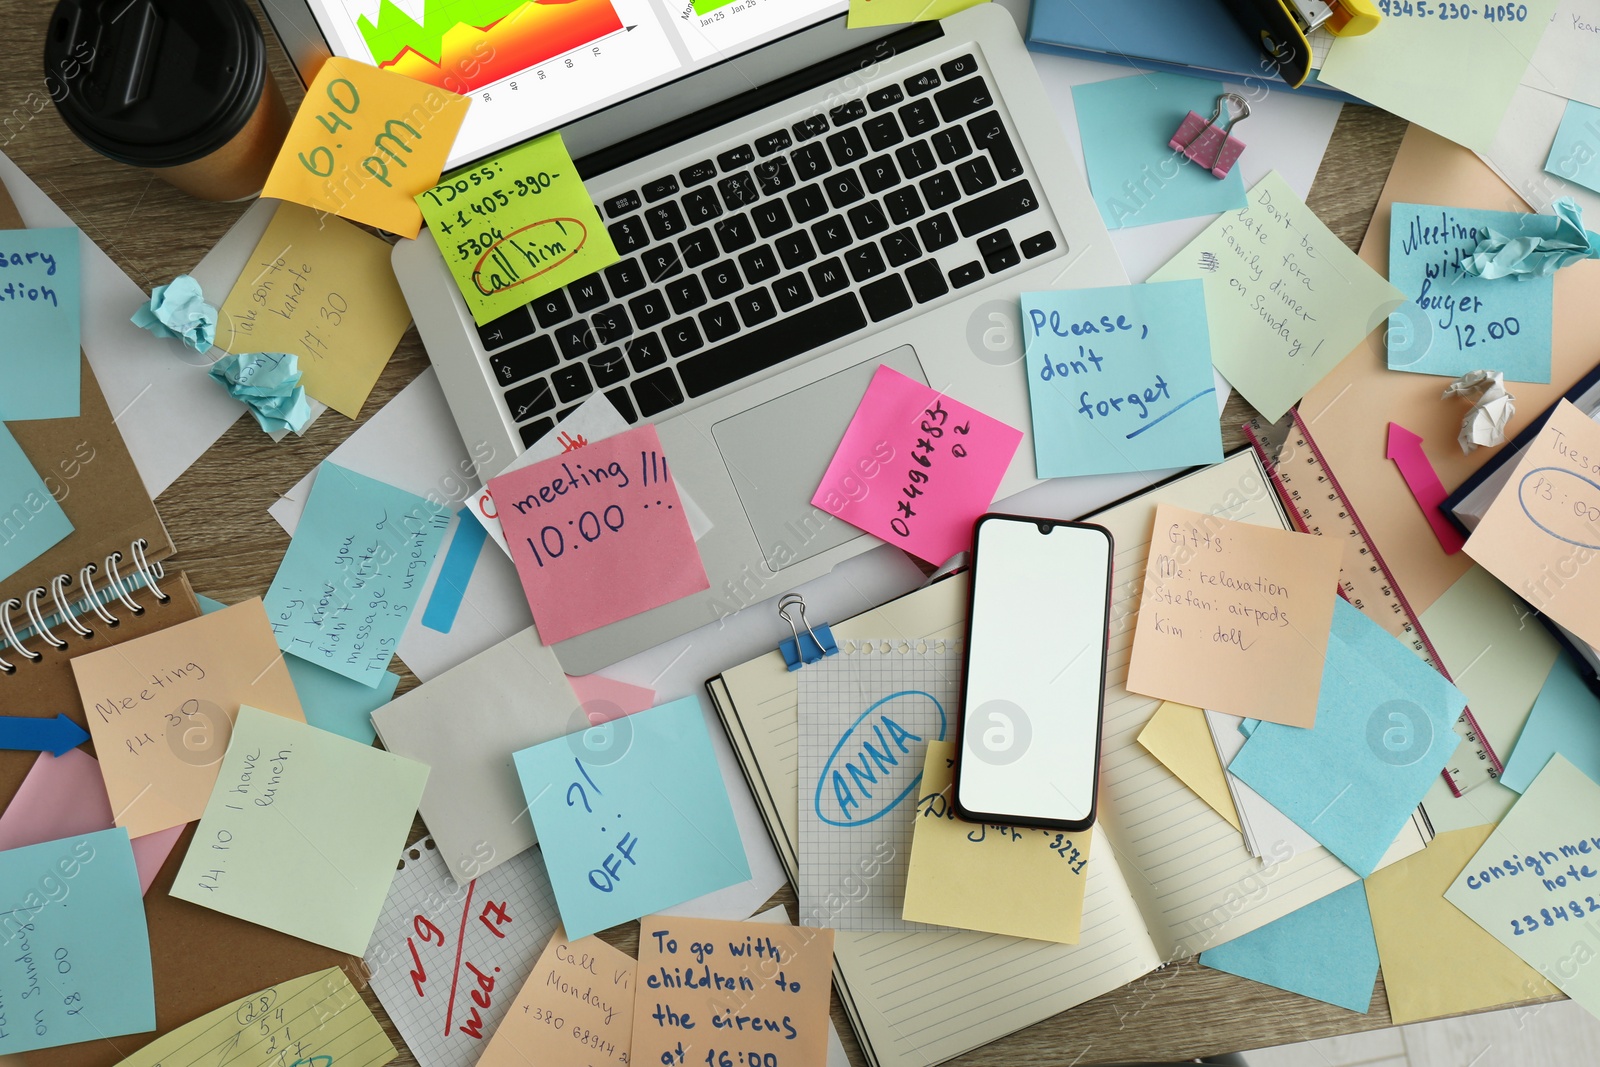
155	83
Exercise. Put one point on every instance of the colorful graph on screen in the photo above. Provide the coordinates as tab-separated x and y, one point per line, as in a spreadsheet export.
462	45
705	7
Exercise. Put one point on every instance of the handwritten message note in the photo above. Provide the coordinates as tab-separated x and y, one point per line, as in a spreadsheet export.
1285	299
1542	532
1535	883
1016	880
42	523
714	989
74	951
364	143
301	832
632	815
1457	322
1234	617
1120	379
598	536
517	226
323	290
916	467
162	707
316	1021
576	1009
353	573
39	318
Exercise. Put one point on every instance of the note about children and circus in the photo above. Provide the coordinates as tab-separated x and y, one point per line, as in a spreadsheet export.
1235	617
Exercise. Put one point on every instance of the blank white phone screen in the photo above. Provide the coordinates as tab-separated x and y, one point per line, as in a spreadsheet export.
1035	670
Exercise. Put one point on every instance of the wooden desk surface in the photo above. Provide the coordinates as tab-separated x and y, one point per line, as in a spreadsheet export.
231	547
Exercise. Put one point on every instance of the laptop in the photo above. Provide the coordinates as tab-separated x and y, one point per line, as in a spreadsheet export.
794	203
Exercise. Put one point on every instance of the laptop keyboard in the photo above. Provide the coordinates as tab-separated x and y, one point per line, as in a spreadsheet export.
848	216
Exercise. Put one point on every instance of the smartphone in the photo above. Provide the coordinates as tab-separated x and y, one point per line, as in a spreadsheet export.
1034	686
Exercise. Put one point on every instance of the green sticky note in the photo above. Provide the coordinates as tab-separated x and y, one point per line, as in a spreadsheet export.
517	226
894	12
1535	883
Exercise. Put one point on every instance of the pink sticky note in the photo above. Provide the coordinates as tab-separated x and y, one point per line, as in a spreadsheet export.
598	535
64	796
916	467
604	699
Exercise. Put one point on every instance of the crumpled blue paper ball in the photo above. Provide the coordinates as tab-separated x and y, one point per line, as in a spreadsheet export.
179	310
268	383
1546	244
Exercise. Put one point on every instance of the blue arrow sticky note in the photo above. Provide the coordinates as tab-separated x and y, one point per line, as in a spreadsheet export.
36	734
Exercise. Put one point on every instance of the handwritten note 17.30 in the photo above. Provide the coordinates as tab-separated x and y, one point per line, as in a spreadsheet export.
1235	617
1120	379
598	535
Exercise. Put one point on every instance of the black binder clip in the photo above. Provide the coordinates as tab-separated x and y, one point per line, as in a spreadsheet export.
816	643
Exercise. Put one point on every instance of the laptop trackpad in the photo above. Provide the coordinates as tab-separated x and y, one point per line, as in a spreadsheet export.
777	453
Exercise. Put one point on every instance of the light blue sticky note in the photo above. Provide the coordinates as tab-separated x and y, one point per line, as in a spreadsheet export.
1136	179
1325	951
632	816
353	573
1120	379
39	316
1565	719
1575	154
1454	322
460	559
31	521
331	702
1382	735
74	949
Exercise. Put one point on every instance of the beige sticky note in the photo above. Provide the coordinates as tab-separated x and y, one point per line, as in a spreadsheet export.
322	289
1178	736
161	710
1542	532
1015	880
575	1009
1435	960
1235	617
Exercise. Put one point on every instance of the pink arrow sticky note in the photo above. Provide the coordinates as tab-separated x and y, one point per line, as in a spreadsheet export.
1405	448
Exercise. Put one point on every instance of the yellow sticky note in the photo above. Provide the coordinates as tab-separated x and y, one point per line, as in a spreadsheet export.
364	143
517	226
1435	960
575	1009
312	1020
894	12
323	290
1021	881
1178	736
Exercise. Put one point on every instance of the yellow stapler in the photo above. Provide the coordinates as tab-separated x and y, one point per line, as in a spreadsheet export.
1280	28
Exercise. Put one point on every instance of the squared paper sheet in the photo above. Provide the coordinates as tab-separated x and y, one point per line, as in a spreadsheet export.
858	772
427	906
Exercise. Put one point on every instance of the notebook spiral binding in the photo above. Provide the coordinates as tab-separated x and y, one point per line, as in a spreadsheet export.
117	588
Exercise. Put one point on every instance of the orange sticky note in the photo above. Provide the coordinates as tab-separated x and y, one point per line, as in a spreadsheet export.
161	710
1235	617
364	143
575	1009
718	989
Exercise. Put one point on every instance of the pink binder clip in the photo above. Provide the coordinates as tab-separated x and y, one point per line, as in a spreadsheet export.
1208	143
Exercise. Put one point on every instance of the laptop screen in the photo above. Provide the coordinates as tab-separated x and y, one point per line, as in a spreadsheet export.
536	65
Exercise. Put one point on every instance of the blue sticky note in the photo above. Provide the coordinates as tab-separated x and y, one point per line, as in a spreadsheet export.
331	702
39	317
31	521
460	559
74	949
1325	950
1383	733
1120	379
1125	124
1575	154
1454	322
353	573
632	816
1565	719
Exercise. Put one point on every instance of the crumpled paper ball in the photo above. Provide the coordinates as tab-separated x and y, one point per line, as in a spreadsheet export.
1546	244
179	310
1485	424
268	383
